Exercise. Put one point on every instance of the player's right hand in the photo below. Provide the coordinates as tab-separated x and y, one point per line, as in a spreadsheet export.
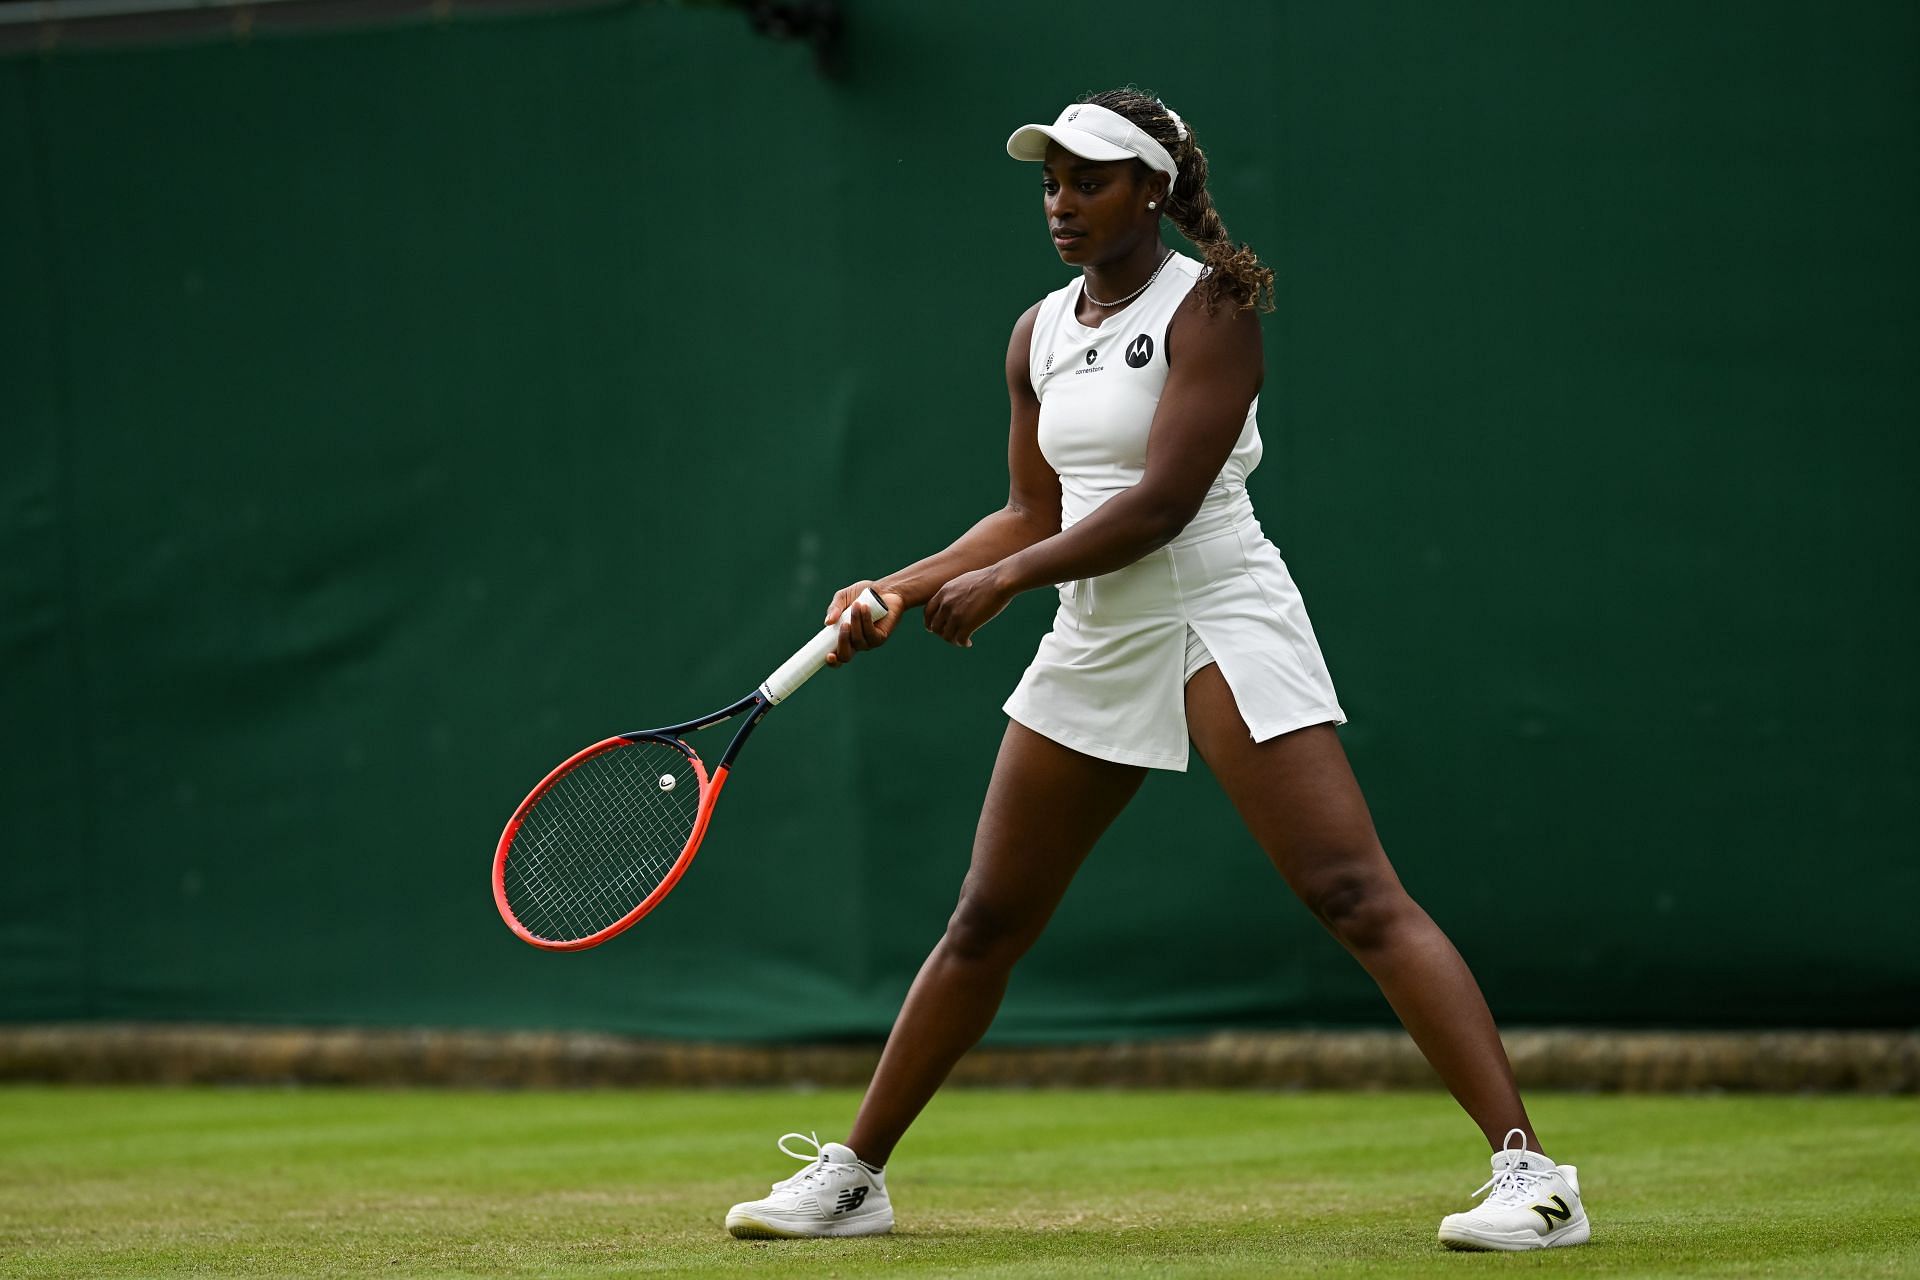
860	631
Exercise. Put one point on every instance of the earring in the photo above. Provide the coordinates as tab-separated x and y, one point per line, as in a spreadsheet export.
1153	204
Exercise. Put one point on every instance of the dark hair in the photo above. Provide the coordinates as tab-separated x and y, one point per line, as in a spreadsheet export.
1233	271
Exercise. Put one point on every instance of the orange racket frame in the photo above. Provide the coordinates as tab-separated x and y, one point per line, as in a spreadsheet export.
786	678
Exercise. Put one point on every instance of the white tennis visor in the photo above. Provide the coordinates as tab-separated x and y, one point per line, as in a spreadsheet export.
1093	133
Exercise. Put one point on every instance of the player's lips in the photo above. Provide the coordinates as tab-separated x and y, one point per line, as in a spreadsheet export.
1064	236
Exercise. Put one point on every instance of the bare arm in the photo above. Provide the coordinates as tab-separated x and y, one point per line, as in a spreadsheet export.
1202	410
1032	513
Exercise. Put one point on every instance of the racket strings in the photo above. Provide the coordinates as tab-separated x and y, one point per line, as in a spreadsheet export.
601	838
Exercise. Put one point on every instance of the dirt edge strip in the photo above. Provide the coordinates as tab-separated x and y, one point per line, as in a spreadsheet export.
1657	1062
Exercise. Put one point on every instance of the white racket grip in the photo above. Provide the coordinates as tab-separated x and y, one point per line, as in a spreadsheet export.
799	669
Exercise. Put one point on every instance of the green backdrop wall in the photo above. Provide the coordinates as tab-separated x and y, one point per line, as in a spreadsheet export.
387	413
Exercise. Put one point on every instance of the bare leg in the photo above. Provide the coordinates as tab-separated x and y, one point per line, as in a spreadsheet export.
1299	798
1045	807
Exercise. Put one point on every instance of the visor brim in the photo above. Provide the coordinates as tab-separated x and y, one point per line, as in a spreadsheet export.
1030	143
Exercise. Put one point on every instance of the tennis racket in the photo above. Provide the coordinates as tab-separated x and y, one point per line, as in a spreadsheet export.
605	837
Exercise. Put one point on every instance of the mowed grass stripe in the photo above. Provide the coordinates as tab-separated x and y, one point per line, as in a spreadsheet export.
105	1182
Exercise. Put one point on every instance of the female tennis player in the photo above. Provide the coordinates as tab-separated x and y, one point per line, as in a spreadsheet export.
1134	392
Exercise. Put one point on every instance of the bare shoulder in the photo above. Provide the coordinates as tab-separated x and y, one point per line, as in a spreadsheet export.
1022	338
1229	332
1018	347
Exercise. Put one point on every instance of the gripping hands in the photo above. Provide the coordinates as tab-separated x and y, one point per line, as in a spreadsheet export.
825	646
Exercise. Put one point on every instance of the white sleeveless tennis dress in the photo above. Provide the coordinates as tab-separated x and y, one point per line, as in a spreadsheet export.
1109	679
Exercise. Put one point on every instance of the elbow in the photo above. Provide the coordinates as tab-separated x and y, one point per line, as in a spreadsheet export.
1163	518
1036	523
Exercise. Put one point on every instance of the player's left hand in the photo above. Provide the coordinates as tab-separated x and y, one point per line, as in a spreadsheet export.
966	604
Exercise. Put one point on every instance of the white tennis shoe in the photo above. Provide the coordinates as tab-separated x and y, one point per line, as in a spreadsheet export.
1532	1203
835	1195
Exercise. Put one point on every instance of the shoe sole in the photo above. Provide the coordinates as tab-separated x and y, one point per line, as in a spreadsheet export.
1578	1232
746	1227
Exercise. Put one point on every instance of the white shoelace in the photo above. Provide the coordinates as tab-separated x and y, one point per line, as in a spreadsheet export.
1511	1185
816	1163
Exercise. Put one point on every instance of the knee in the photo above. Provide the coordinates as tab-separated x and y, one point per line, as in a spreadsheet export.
1365	912
982	932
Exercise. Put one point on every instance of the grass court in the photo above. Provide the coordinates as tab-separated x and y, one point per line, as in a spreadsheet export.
252	1182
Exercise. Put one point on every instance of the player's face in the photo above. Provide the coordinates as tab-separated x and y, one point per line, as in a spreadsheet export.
1096	209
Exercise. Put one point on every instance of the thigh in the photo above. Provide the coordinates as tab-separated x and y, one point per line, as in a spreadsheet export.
1046	806
1296	793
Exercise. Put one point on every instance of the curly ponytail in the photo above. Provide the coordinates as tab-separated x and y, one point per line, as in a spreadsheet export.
1233	271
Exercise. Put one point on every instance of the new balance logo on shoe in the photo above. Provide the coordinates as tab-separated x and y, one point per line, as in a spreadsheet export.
1557	1210
853	1197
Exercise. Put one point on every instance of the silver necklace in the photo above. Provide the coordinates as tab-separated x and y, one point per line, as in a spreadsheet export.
1088	295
